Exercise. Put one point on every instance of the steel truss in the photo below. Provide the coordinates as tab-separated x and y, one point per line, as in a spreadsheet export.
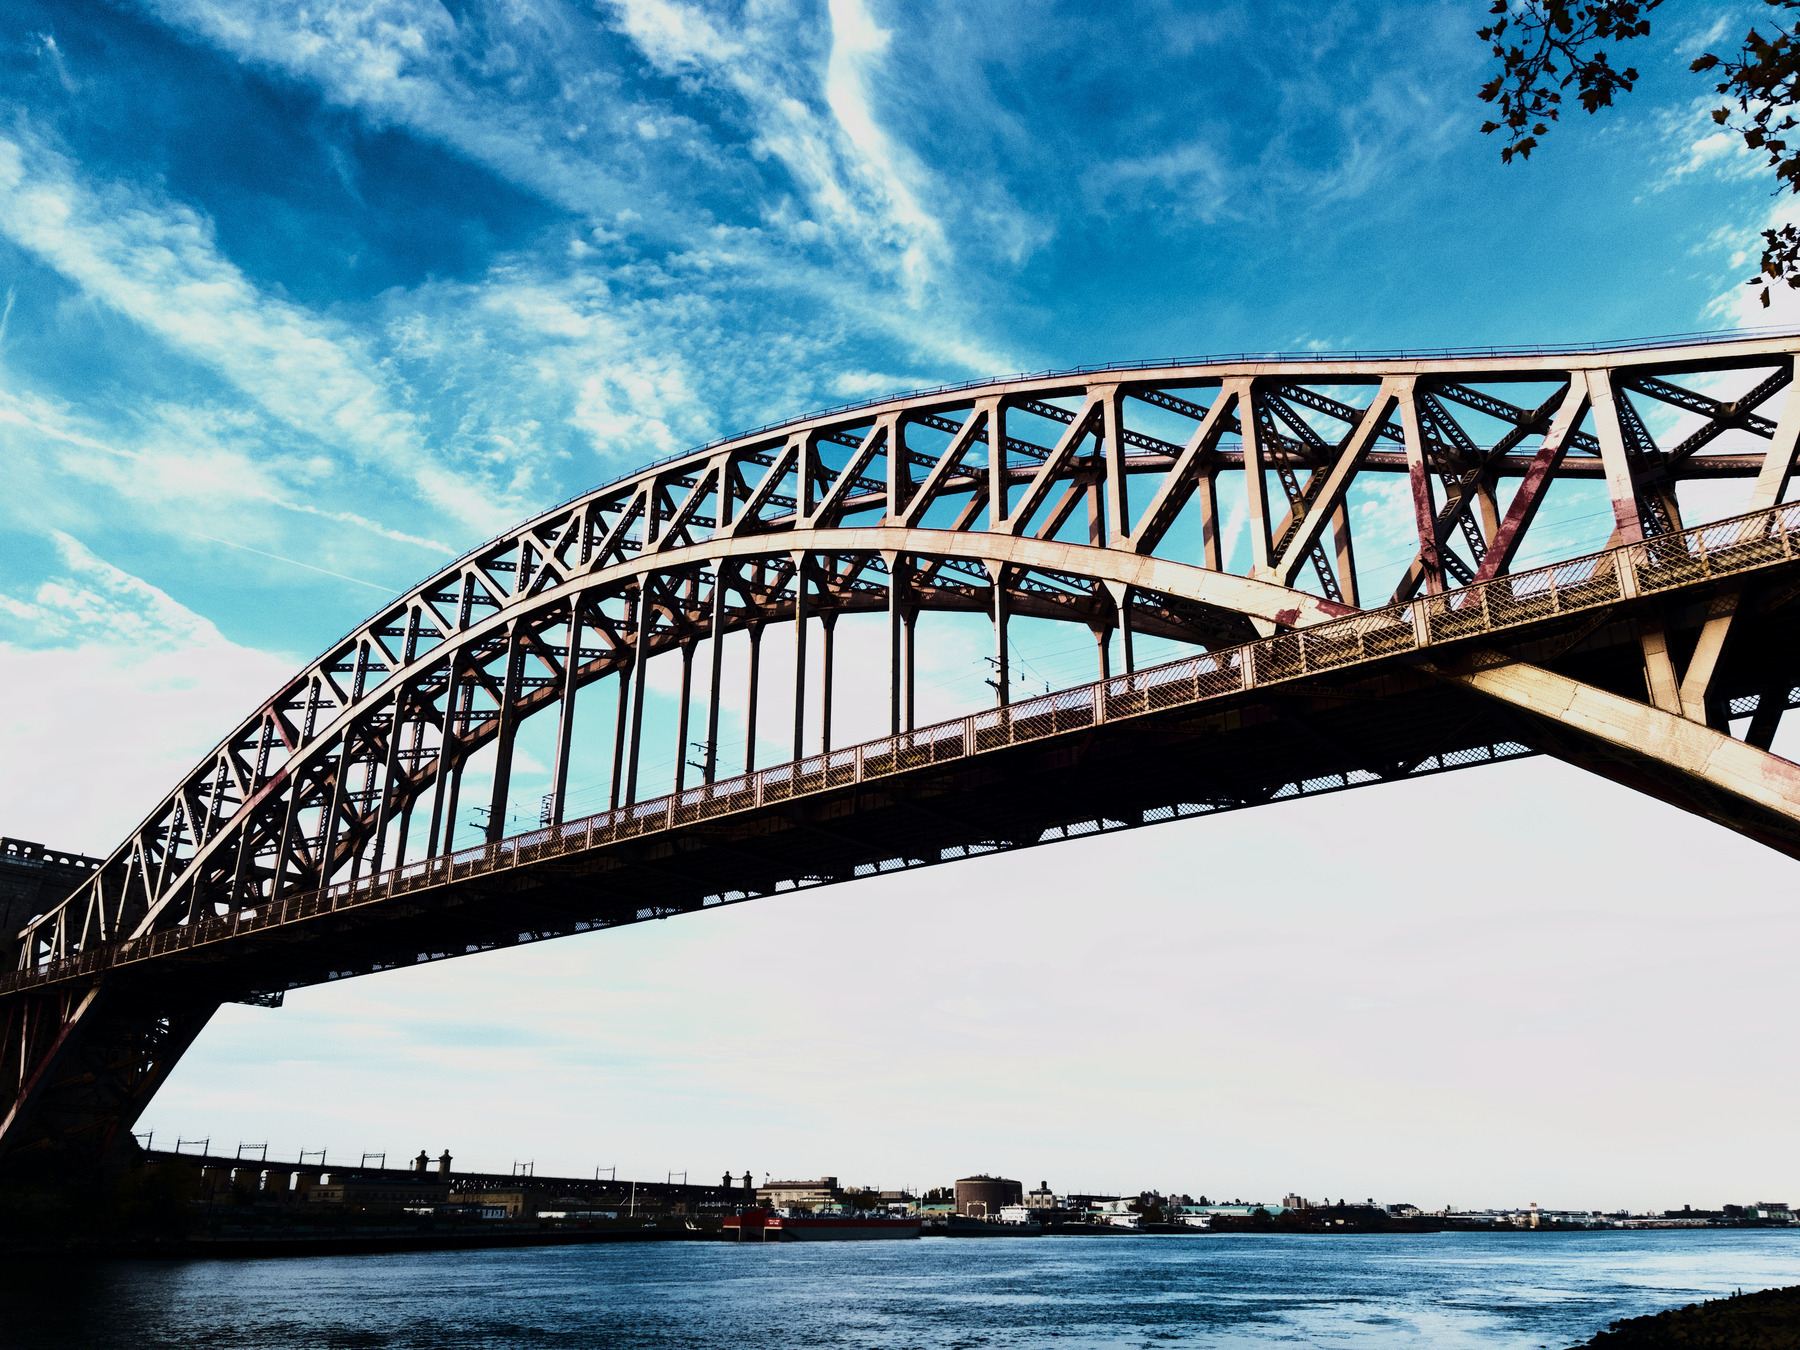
1091	499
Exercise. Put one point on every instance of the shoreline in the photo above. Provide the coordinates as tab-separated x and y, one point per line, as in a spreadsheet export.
276	1244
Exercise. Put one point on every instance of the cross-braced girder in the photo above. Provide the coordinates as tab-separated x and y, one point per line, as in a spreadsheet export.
1213	505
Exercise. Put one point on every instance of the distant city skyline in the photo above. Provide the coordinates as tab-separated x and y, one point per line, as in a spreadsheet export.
300	303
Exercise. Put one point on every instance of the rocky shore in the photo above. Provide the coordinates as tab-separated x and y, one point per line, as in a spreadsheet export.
1766	1320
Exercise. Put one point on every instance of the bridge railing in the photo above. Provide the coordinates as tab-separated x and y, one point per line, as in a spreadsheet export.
1662	563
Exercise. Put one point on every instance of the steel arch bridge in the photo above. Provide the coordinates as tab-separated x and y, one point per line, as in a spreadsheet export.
315	842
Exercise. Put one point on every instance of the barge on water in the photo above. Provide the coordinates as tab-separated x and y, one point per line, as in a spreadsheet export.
766	1225
972	1225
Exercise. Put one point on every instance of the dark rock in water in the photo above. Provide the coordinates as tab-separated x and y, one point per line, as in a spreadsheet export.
1768	1320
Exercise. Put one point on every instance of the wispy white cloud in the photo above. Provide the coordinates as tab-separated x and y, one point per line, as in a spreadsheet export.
172	465
411	63
676	38
95	647
158	263
1738	303
822	202
818	117
1693	144
1195	179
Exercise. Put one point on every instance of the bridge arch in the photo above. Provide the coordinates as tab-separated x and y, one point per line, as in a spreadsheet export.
1009	499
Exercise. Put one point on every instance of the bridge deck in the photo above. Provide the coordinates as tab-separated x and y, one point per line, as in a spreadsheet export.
1319	707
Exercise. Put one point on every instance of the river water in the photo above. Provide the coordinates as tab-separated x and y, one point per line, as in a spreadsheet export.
1442	1291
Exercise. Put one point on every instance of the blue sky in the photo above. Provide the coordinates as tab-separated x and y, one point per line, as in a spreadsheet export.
302	301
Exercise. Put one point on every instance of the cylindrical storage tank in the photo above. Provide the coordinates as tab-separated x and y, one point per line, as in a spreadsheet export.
983	1197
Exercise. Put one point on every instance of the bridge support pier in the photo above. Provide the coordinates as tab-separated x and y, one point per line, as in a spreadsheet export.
81	1066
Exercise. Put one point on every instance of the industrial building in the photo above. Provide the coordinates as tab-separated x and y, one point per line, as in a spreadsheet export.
798	1194
378	1192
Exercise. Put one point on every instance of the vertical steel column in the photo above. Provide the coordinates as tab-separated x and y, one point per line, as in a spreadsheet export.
412	804
681	717
258	774
1661	685
446	738
1424	504
249	830
286	839
1206	492
389	798
1621	482
329	835
173	840
1121	598
509	728
1256	483
756	630
409	651
912	707
828	621
718	673
998	488
361	672
799	654
565	714
456	773
1118	503
896	625
465	718
1487	509
385	801
1103	640
1346	556
1002	611
621	724
640	678
214	796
